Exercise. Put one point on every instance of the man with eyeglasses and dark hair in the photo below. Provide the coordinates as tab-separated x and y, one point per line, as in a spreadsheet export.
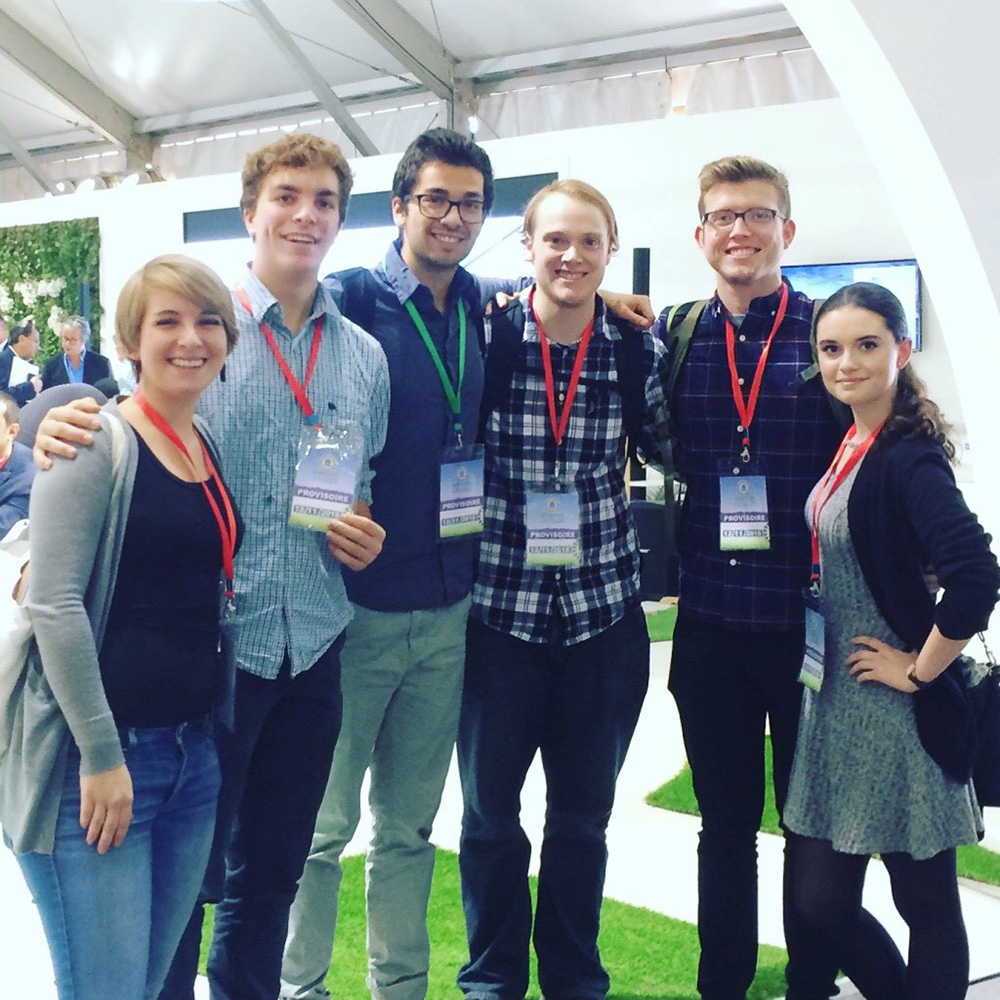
404	659
752	431
404	656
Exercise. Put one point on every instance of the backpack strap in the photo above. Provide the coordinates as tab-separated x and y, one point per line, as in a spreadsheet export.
501	342
681	322
359	296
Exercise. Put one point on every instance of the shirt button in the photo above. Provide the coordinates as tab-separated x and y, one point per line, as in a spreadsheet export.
562	396
743	336
736	470
739	427
732	562
740	381
558	575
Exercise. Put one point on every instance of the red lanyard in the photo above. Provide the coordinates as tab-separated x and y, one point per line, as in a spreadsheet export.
746	408
6	458
227	525
559	426
823	494
298	388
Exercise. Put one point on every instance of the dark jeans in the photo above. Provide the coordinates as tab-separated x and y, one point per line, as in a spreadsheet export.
579	705
727	684
275	766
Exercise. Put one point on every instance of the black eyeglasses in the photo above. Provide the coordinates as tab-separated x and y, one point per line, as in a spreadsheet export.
755	218
437	206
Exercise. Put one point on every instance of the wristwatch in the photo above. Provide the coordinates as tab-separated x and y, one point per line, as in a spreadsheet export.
911	676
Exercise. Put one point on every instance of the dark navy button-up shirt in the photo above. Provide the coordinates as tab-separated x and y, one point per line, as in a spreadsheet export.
794	433
415	569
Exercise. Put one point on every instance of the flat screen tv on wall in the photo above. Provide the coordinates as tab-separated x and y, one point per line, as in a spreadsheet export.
902	277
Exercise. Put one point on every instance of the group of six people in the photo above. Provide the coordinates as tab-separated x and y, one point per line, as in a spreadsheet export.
399	629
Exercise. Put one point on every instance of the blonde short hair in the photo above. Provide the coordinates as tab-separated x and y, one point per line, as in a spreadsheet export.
298	149
176	273
738	170
581	191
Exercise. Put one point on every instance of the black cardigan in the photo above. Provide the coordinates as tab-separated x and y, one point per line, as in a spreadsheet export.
906	513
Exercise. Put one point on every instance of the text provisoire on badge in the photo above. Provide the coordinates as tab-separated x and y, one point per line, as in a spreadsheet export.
327	475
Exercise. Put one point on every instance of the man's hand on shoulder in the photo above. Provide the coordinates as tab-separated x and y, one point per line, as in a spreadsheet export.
355	539
63	427
632	308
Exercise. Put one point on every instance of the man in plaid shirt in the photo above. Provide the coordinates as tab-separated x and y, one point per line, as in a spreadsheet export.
558	655
743	414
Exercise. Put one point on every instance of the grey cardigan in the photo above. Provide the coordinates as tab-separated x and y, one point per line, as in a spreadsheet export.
78	514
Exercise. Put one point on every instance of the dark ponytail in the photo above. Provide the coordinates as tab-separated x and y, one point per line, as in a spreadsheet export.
914	413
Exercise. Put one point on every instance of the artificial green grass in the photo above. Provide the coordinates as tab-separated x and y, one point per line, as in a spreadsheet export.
660	624
973	862
649	956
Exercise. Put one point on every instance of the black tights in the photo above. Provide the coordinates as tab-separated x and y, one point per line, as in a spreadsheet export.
827	894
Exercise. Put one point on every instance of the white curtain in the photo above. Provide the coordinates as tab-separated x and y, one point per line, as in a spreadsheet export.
785	78
520	110
581	103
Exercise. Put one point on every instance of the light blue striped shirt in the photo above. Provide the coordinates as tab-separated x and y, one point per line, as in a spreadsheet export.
289	591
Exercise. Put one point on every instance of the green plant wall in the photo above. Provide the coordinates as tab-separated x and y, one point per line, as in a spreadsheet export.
41	270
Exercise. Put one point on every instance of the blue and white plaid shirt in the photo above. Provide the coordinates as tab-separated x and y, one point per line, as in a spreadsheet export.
289	591
560	604
794	434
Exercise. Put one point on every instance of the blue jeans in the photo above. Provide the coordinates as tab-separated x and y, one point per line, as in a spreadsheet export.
579	705
112	921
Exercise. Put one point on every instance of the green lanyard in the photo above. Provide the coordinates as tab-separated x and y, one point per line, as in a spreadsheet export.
453	395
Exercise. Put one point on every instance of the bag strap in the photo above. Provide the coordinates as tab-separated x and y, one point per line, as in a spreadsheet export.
501	340
359	296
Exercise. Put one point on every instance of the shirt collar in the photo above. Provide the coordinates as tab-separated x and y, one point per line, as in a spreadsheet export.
404	282
266	308
83	357
764	305
602	327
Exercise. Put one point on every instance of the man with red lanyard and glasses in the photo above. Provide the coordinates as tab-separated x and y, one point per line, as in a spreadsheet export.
298	364
752	431
558	654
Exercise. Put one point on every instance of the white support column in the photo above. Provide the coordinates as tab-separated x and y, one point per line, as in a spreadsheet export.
919	79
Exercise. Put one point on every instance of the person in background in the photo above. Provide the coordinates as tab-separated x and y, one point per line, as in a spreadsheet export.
558	653
886	739
76	363
16	468
17	354
126	574
746	423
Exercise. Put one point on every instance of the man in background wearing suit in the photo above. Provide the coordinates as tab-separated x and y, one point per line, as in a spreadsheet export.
76	363
22	346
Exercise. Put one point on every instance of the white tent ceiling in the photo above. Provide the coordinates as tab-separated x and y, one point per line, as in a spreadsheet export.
78	76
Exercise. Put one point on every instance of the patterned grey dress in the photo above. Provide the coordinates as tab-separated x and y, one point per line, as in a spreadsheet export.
861	778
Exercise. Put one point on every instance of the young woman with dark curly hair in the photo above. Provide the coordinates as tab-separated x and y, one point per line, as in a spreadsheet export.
883	759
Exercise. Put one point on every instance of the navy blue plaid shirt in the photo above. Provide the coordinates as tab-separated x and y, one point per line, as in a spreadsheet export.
560	604
794	435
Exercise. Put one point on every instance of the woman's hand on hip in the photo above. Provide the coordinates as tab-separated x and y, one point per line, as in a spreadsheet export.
875	660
